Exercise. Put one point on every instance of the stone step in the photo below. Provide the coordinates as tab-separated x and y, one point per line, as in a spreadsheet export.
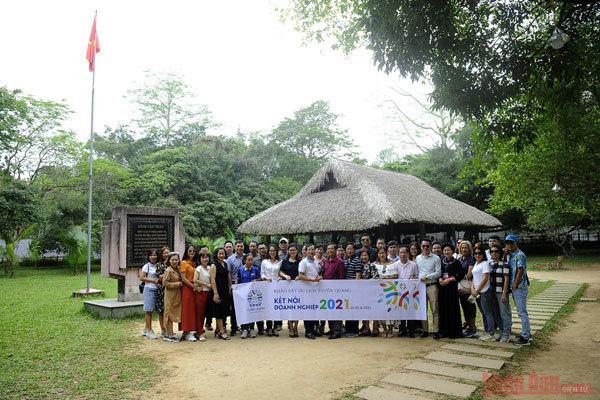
546	303
478	342
435	385
444	370
588	299
531	326
480	362
377	393
477	350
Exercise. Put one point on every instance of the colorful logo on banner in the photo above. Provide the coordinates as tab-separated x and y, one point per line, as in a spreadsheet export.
255	297
397	294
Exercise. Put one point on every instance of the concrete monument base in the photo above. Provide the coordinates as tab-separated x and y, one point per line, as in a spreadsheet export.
113	308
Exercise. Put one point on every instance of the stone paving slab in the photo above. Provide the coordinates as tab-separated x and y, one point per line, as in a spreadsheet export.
477	350
546	303
531	326
454	372
377	393
430	384
480	362
590	299
478	342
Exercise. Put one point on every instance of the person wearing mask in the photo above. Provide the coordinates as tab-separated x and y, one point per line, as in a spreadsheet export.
289	272
480	290
333	268
149	275
407	269
234	263
187	268
430	269
519	283
309	271
449	306
269	271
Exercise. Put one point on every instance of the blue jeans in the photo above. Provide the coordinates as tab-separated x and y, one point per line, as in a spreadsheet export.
520	298
505	313
485	303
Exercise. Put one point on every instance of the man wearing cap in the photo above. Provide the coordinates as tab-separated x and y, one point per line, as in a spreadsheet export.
283	248
517	262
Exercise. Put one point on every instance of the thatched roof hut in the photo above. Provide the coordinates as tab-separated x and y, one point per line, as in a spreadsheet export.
347	197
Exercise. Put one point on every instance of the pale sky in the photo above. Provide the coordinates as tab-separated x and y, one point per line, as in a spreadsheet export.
249	68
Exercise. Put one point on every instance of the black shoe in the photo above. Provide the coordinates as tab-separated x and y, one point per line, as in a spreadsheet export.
401	333
335	336
318	334
261	332
411	335
521	341
232	333
425	334
328	333
310	336
436	336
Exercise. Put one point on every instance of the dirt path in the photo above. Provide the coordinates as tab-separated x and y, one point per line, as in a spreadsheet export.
573	355
280	367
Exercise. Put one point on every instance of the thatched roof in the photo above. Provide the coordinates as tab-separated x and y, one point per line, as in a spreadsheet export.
344	196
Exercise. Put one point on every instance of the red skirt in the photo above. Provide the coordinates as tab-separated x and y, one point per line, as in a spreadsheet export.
188	309
201	304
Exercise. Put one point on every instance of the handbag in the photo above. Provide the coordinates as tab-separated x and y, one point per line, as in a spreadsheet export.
142	284
464	286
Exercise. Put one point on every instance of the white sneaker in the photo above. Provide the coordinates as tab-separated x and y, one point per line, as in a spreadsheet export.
163	333
487	337
244	334
151	334
144	332
252	333
173	338
190	337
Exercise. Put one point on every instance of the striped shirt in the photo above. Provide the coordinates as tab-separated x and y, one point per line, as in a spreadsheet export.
498	270
353	266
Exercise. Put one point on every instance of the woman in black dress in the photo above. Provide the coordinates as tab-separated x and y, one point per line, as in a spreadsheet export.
449	307
220	280
289	271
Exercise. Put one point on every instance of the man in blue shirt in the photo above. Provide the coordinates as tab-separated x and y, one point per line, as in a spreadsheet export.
519	283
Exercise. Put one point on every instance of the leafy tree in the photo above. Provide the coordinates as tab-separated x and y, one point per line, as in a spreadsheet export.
165	106
19	204
74	241
13	110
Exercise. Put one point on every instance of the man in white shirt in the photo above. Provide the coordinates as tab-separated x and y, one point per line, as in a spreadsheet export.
430	268
308	271
493	240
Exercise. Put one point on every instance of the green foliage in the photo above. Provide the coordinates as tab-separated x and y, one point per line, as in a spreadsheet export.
74	241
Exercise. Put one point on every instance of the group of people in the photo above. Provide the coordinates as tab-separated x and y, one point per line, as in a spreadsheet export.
196	288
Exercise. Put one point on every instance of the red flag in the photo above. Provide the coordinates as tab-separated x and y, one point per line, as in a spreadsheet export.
93	44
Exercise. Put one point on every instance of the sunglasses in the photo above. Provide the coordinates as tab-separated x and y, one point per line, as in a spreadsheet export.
425	245
191	251
478	253
494	251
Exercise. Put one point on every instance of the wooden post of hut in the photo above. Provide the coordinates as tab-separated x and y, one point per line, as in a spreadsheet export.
349	237
421	231
311	238
268	239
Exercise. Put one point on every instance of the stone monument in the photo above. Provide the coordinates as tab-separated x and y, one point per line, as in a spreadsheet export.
126	239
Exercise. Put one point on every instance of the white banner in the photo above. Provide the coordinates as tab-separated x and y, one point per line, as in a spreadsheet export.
397	299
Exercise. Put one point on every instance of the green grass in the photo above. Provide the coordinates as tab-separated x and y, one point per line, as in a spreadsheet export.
582	258
51	348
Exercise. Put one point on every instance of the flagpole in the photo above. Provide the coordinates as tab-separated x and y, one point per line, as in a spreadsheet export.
89	247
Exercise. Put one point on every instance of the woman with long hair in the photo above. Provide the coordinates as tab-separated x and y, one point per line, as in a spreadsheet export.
368	271
469	310
150	277
161	266
414	251
480	290
289	272
220	280
269	270
187	268
387	270
172	283
448	301
202	287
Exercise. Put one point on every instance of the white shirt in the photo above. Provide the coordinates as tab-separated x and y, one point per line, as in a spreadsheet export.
269	269
308	267
390	269
478	270
430	266
150	270
204	276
